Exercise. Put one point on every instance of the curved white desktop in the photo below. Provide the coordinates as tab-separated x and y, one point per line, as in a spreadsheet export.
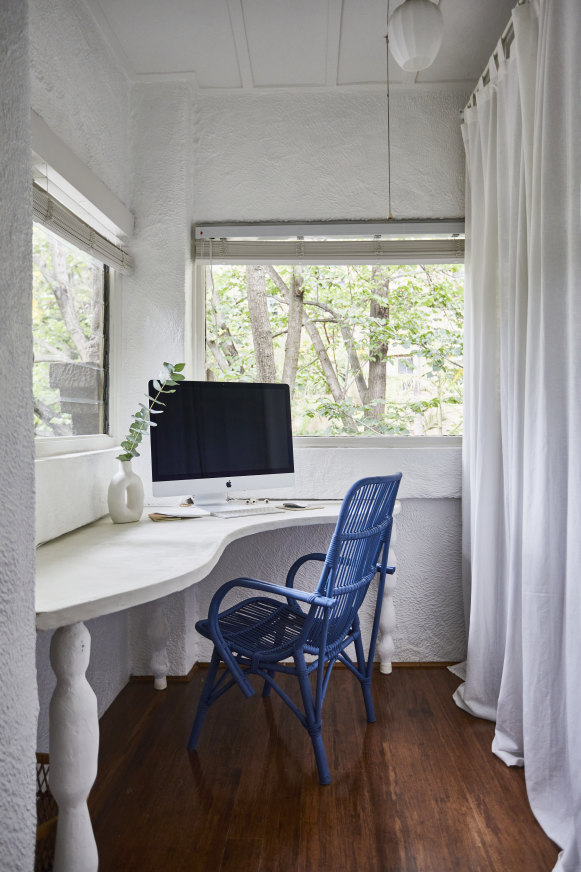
105	568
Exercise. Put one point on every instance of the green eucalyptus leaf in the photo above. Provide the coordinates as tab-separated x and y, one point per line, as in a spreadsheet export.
178	377
152	424
157	385
179	367
123	457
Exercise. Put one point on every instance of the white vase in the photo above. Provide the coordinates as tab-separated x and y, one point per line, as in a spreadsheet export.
125	495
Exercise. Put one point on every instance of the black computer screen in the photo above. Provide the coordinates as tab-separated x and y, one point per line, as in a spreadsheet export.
217	429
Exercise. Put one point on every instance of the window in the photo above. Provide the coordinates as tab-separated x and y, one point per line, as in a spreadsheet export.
368	348
69	330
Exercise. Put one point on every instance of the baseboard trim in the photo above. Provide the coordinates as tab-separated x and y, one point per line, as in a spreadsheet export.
203	664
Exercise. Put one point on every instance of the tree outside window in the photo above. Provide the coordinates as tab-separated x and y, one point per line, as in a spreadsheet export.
69	338
366	349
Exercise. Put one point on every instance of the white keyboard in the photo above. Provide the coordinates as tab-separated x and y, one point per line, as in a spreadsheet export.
241	511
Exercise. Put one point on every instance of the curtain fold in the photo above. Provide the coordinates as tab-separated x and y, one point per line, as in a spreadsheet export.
522	456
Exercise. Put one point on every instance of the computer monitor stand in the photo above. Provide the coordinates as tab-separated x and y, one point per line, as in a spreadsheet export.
212	500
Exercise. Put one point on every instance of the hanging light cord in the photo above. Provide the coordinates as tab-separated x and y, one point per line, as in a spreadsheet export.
388	126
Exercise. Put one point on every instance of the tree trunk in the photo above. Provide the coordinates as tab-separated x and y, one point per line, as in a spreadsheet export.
261	331
293	296
378	352
324	360
354	362
66	303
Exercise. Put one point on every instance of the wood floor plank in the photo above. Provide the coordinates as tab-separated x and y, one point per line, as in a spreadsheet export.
418	791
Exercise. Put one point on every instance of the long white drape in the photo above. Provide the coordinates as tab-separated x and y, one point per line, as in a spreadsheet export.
522	455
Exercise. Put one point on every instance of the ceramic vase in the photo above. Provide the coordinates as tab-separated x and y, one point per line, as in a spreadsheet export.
125	495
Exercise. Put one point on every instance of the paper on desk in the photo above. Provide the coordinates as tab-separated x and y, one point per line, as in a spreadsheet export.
169	513
300	508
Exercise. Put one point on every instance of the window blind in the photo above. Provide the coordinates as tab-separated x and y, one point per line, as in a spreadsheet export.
56	217
323	244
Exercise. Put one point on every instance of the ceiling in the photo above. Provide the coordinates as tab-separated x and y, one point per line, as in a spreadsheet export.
258	44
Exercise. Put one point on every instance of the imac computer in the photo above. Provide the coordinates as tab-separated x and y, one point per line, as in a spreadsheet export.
216	438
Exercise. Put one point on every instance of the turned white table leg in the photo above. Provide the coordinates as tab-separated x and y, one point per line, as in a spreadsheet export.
74	746
158	633
387	621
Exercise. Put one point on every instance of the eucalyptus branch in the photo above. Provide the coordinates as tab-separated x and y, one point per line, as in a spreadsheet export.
166	383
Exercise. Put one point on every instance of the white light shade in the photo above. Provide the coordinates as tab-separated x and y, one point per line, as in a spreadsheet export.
415	34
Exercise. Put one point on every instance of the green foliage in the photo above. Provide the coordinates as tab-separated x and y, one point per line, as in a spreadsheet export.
368	318
166	382
67	322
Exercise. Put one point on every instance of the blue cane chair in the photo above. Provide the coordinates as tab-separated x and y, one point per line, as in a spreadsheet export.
256	636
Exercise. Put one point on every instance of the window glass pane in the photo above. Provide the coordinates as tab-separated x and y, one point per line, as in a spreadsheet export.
69	338
367	349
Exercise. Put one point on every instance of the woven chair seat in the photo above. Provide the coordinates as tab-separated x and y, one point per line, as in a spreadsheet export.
258	625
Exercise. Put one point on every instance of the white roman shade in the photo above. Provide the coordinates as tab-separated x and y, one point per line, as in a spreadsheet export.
347	243
56	217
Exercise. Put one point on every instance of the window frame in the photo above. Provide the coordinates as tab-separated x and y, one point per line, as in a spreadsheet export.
195	332
61	446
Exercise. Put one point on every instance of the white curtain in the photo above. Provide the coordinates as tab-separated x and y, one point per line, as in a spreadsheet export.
522	455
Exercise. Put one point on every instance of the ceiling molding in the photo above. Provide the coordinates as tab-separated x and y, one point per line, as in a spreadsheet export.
238	26
463	87
188	77
110	38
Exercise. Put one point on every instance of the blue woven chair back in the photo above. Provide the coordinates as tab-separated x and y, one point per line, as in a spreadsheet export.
363	527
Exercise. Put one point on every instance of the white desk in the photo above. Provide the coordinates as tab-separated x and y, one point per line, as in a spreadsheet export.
105	568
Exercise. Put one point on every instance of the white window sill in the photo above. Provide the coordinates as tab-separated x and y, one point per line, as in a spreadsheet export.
362	442
59	446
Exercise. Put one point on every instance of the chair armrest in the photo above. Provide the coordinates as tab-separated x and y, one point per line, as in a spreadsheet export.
254	584
290	576
388	569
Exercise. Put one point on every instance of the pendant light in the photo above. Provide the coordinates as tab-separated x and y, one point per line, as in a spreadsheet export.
415	34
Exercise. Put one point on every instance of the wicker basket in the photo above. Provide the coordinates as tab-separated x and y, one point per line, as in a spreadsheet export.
46	817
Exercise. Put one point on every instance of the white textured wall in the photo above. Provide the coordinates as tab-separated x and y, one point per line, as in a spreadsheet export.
71	491
79	89
18	705
324	155
81	92
154	295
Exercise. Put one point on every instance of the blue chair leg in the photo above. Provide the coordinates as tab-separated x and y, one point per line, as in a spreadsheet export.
314	727
267	687
365	681
204	703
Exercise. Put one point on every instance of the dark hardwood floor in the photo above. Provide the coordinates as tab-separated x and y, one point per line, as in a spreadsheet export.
419	791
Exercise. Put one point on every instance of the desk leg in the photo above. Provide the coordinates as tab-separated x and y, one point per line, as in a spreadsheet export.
158	633
387	621
74	746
